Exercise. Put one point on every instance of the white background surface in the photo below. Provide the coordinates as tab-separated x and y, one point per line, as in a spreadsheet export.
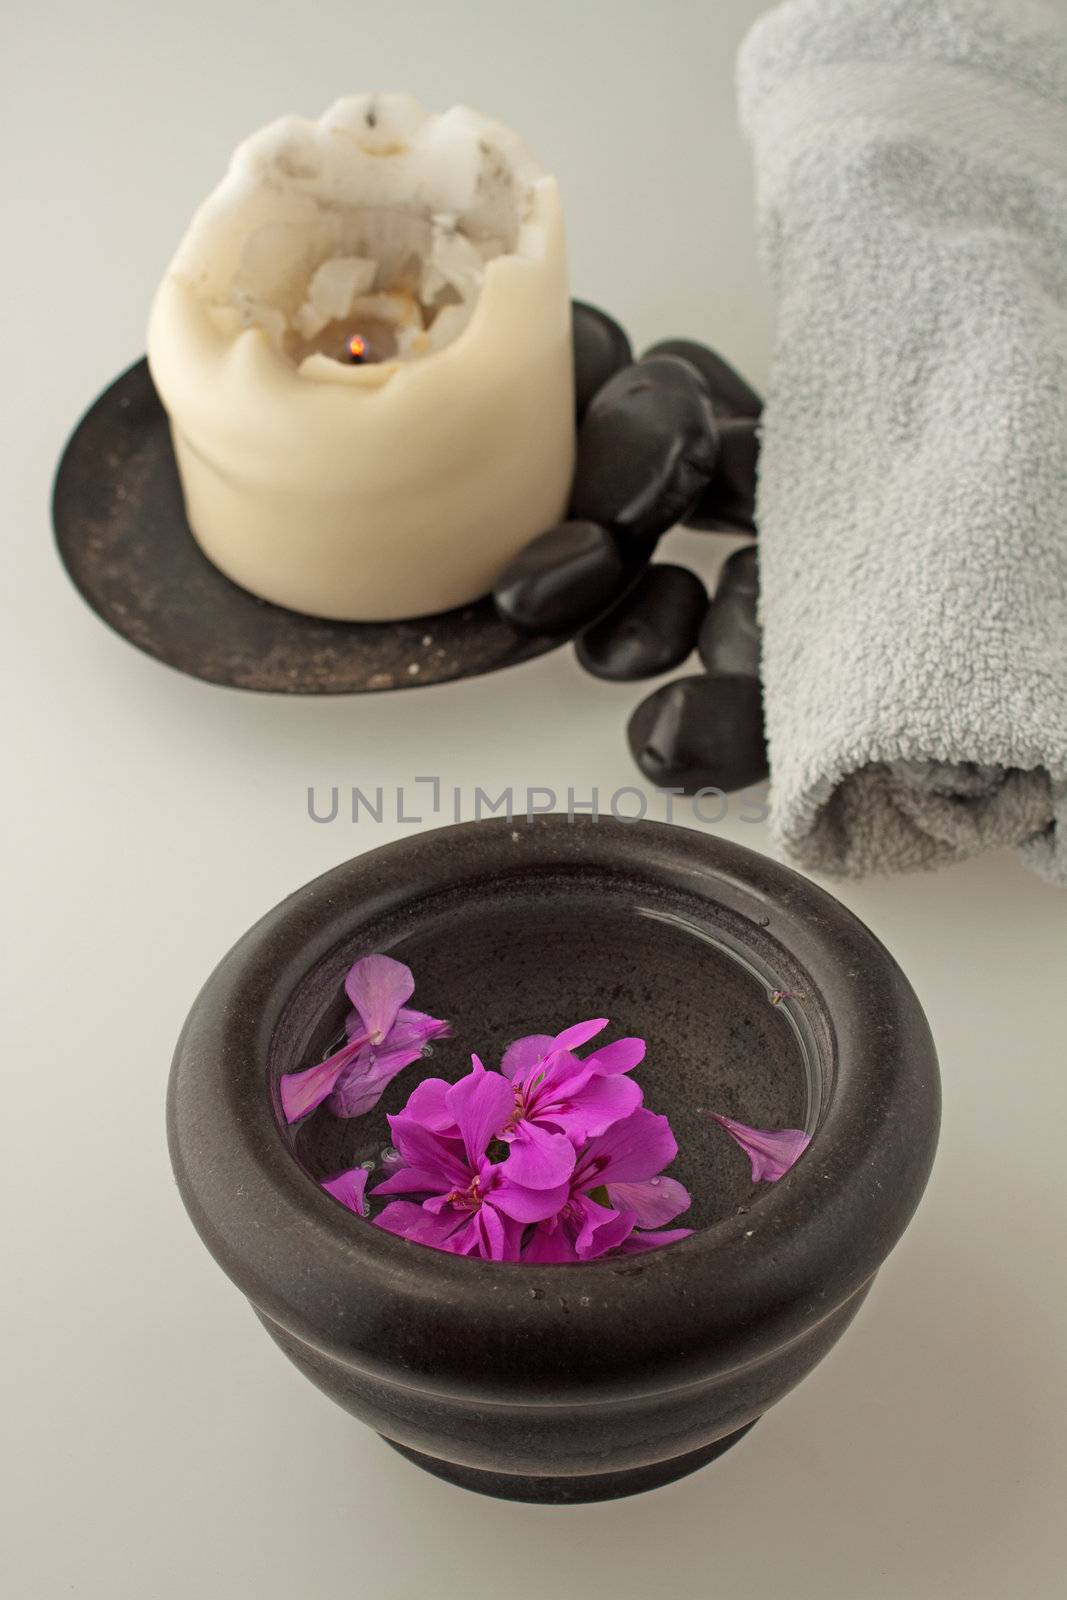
157	1445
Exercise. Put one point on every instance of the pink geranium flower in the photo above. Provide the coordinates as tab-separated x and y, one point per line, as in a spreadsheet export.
384	1036
472	1206
552	1159
558	1093
560	1101
623	1167
530	1051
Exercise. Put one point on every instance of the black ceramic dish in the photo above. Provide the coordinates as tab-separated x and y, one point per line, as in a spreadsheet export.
567	1383
123	537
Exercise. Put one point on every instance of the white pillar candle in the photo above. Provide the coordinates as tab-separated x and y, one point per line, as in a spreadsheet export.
402	484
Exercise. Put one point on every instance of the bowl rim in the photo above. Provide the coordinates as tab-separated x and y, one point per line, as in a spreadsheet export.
732	1293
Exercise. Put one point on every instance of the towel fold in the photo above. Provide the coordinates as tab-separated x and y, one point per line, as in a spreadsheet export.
911	164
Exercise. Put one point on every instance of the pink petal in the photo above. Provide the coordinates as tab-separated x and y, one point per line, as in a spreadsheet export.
498	1236
602	1229
409	1026
410	1221
549	1244
400	1216
360	1088
772	1151
410	1180
526	1205
468	1238
416	1027
427	1103
524	1054
539	1159
562	1072
301	1092
481	1104
350	1188
602	1102
653	1201
422	1148
639	1146
559	1078
485	1236
580	1033
638	1241
388	1059
620	1056
378	986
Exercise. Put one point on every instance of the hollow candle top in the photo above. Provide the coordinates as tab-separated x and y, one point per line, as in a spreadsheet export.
400	483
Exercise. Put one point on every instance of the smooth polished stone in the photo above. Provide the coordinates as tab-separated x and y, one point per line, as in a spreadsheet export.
674	369
701	733
729	502
729	640
730	395
740	571
646	450
652	629
601	349
563	578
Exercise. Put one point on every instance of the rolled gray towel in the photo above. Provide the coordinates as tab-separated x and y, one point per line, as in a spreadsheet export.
911	163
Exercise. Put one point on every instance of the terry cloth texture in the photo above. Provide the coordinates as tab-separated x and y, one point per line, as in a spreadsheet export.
911	164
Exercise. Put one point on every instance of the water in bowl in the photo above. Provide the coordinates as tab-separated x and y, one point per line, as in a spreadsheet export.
534	957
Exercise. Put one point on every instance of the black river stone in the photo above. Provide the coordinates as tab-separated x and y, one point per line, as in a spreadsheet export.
646	450
729	502
740	571
563	578
652	628
601	348
730	395
701	733
729	639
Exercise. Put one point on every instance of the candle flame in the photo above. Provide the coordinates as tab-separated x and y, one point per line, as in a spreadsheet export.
357	348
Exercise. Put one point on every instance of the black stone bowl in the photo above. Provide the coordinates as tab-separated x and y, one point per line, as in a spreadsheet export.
567	1383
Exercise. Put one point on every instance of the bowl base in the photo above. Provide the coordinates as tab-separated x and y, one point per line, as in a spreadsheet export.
572	1491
